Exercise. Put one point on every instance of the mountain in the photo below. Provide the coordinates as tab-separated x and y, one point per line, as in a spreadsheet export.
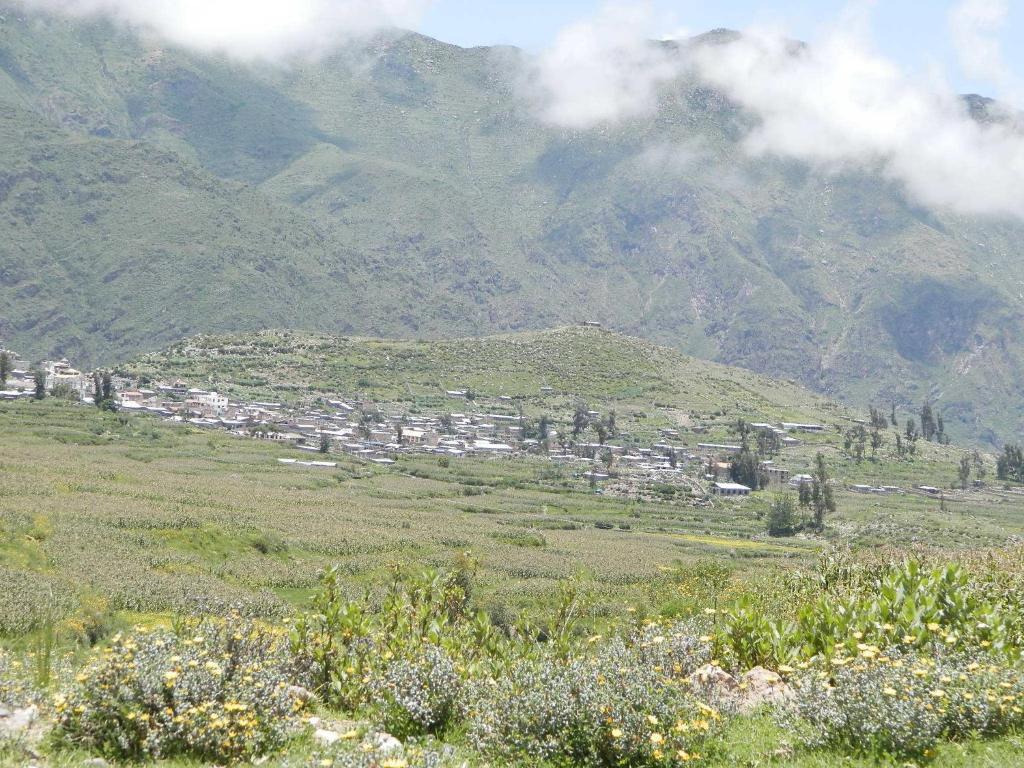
404	189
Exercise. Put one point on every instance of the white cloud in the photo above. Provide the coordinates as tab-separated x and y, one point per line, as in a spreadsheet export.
974	26
839	104
250	29
601	70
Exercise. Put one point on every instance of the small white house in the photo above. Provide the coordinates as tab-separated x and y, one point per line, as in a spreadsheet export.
730	489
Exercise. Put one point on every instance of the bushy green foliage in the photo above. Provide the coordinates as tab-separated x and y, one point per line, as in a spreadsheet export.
908	607
220	693
341	645
900	704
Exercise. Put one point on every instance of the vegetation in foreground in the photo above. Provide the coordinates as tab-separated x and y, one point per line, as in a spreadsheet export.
165	602
900	675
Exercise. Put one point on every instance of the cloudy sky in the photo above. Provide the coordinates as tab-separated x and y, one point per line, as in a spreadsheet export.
876	89
916	33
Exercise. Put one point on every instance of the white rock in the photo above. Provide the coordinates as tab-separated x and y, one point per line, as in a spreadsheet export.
387	744
325	737
18	722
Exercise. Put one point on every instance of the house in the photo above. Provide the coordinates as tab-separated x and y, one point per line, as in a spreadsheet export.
795	427
425	437
729	489
776	475
797	480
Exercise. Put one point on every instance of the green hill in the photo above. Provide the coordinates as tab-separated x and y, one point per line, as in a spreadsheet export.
405	190
546	371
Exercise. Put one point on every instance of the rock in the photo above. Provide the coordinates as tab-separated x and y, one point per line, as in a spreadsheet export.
95	762
18	722
713	681
761	686
386	744
325	737
785	752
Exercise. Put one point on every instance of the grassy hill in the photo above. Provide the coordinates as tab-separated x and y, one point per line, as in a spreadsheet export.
544	371
405	190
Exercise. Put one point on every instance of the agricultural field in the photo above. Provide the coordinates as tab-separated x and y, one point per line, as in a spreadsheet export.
122	537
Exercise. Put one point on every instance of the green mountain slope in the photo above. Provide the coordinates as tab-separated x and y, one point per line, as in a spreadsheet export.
405	190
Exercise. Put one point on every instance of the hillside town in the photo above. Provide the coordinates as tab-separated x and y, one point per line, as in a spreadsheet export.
378	434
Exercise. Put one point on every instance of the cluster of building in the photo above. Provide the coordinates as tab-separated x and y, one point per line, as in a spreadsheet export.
359	427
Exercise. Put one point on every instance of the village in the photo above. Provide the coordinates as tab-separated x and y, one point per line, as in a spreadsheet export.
475	426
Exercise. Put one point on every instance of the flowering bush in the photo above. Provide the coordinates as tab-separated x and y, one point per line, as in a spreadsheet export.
418	695
220	693
901	704
610	709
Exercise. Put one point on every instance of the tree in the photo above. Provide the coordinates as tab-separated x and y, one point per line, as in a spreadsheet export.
39	378
1010	464
608	458
940	431
876	441
963	472
325	443
544	427
892	415
768	443
745	469
855	440
899	445
782	519
580	419
610	424
979	465
673	460
928	425
399	432
822	498
804	495
742	429
5	368
878	420
446	423
601	431
911	430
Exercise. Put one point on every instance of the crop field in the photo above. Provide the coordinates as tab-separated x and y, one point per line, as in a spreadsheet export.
120	533
135	516
145	518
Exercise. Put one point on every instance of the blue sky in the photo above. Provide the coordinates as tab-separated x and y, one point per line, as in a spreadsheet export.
913	32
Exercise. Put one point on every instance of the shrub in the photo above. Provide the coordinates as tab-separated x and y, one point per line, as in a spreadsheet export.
419	695
218	694
909	607
342	647
611	709
902	704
